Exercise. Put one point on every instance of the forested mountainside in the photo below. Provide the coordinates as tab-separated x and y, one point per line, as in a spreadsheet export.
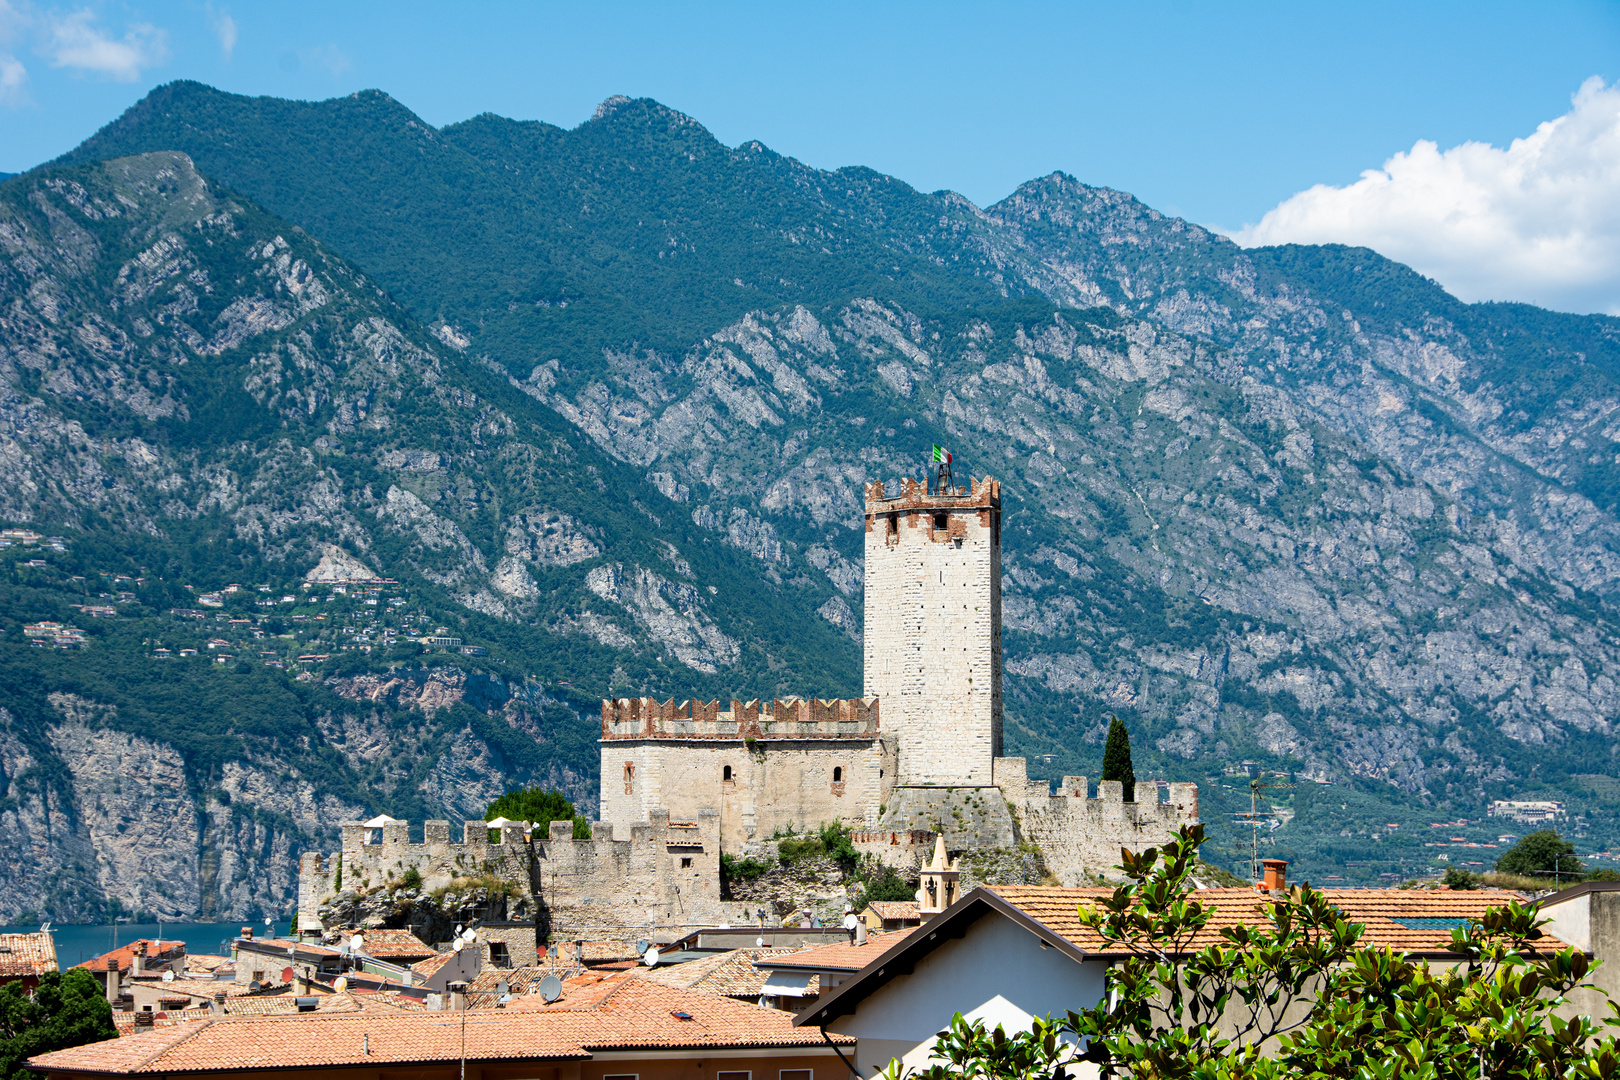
1294	506
197	395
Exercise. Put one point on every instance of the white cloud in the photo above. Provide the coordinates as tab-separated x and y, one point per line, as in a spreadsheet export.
224	28
1536	222
328	58
75	41
13	80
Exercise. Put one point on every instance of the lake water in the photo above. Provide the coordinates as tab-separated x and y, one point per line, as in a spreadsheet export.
76	944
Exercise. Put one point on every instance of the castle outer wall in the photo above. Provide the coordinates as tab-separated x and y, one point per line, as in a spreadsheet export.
761	768
933	627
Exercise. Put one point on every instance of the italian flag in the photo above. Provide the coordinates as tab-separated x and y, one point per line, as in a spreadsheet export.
942	456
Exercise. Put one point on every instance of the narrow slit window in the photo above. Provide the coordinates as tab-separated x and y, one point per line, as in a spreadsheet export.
838	774
725	773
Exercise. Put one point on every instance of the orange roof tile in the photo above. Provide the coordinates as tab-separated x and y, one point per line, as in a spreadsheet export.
730	974
125	954
22	955
895	909
391	944
1412	921
433	963
595	1013
845	956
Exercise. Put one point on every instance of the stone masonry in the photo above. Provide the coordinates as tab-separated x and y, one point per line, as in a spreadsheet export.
1079	836
933	627
761	767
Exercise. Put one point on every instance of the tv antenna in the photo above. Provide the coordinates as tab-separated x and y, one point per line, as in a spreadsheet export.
1256	786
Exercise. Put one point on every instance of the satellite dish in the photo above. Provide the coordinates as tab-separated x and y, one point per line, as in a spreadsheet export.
287	975
470	936
341	984
168	976
502	989
641	946
551	988
759	943
650	957
458	929
357	943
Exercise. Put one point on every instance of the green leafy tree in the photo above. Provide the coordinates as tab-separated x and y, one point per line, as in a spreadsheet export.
1539	854
1117	758
540	807
1190	1003
882	882
67	1009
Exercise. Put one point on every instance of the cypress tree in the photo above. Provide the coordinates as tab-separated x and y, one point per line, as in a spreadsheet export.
1117	758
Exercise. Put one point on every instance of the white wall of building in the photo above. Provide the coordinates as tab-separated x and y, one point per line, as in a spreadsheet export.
998	972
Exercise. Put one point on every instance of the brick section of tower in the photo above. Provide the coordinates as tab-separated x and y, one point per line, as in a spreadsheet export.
933	627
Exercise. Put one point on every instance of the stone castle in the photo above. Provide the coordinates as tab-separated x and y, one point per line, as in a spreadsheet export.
919	754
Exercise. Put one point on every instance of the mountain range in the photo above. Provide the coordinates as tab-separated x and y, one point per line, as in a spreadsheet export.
602	402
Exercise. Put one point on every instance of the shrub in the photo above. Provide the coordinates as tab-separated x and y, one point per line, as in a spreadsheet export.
735	869
1457	878
1542	853
411	878
882	882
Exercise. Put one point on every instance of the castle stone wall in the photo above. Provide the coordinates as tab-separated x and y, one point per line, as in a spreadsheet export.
933	627
793	765
1081	836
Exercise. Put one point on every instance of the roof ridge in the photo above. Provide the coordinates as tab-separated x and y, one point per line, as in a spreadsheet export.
181	1041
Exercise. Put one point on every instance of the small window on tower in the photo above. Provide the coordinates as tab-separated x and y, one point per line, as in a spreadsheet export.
838	773
725	773
629	777
939	523
893	523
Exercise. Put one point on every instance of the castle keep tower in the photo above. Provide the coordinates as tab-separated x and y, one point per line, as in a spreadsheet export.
933	627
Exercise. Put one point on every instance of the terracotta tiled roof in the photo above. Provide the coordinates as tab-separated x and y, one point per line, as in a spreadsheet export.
730	974
432	963
22	955
845	956
125	954
205	961
1412	921
394	944
595	1013
273	946
895	909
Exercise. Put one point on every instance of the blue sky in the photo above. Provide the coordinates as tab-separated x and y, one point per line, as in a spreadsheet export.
1218	113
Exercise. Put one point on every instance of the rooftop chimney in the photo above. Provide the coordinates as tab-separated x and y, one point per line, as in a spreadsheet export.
247	932
458	996
112	980
1276	874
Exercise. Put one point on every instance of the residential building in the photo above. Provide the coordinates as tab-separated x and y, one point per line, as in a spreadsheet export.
1006	955
25	958
615	1027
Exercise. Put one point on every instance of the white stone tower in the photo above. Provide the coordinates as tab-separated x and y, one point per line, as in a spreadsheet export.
933	627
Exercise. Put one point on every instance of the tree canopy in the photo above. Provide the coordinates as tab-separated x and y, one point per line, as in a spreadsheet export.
1117	758
67	1009
1540	854
540	807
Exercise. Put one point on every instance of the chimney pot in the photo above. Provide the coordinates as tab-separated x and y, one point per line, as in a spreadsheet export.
247	932
1276	874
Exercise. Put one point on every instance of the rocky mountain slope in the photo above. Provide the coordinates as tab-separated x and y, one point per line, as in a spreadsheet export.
198	395
1295	506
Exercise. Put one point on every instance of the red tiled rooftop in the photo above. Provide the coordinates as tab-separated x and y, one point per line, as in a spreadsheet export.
595	1013
394	944
22	955
125	954
1392	917
845	956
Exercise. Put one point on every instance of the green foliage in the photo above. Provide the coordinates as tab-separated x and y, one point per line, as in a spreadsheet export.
1295	997
797	849
880	882
1117	758
411	878
66	1009
539	806
1456	877
1541	854
734	869
835	839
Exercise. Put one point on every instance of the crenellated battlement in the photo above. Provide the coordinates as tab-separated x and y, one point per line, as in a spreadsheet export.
981	492
789	718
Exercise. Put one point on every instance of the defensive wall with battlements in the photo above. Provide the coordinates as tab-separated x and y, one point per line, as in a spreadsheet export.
659	875
1080	836
761	767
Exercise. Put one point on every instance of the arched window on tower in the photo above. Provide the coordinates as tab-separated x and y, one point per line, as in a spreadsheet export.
725	774
629	778
838	774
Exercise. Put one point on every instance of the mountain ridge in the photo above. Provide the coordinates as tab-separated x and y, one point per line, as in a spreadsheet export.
1290	505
